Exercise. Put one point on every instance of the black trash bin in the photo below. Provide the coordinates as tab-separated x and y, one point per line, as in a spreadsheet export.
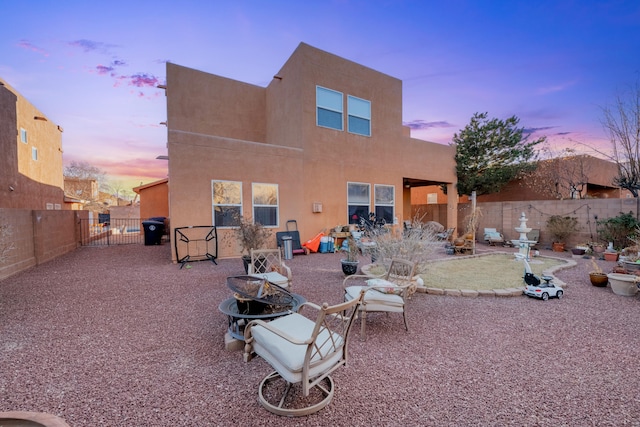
153	231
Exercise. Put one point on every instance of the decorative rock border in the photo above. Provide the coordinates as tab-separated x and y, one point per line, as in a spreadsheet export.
502	292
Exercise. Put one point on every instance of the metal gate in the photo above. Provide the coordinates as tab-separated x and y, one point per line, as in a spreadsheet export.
104	231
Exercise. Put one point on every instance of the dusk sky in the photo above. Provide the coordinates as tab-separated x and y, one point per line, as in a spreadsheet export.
93	67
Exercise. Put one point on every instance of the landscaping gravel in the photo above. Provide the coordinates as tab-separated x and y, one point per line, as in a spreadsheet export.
120	336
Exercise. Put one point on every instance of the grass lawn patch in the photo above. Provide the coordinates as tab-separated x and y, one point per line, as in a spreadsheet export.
495	271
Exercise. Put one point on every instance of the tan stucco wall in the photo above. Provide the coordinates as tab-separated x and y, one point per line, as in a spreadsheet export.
35	183
154	199
227	130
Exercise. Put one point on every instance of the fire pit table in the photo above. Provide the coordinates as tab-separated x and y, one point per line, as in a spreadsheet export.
256	298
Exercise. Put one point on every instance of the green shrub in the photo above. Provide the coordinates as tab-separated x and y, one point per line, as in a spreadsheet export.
620	229
560	227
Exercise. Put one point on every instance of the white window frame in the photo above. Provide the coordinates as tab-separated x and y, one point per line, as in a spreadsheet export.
432	198
352	113
391	204
23	136
34	153
360	204
225	205
329	108
262	205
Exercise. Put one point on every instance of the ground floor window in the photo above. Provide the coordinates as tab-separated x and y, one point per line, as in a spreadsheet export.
265	204
358	201
227	203
384	197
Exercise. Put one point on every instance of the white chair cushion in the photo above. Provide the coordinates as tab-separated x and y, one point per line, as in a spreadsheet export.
384	286
273	277
283	354
373	297
494	235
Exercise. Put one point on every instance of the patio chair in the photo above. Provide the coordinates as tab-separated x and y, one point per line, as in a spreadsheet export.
267	264
387	293
493	236
445	235
303	353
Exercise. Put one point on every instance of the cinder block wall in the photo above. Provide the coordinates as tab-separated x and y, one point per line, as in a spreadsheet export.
505	216
38	236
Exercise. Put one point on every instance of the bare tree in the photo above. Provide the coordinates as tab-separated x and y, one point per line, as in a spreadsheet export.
83	170
621	121
562	175
118	190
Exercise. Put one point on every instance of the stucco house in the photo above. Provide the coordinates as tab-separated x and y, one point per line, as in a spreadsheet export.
570	177
31	161
323	144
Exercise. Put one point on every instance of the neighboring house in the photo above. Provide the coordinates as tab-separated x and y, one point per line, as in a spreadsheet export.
31	160
573	177
86	195
322	144
84	190
154	199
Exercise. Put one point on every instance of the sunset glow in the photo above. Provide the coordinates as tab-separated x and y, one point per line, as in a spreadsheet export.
93	67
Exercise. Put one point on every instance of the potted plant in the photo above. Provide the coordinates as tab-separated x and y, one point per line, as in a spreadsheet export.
350	263
630	255
561	227
250	235
618	231
597	276
610	254
622	284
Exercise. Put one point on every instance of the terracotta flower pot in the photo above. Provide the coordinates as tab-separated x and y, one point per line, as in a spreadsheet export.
557	247
598	279
611	256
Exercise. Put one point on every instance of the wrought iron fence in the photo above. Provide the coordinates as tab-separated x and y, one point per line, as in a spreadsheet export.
111	231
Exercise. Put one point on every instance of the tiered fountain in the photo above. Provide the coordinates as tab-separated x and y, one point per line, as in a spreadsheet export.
523	243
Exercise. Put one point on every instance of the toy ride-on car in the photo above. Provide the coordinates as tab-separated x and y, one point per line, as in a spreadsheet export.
534	287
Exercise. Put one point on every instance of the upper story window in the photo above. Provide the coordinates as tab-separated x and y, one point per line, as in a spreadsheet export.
34	153
265	204
227	203
359	111
23	135
329	108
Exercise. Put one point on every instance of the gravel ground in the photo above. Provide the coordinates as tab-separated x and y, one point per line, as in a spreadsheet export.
119	336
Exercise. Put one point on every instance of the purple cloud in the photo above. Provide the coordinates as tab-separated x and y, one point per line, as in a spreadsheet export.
530	131
102	69
91	46
421	124
143	79
26	44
